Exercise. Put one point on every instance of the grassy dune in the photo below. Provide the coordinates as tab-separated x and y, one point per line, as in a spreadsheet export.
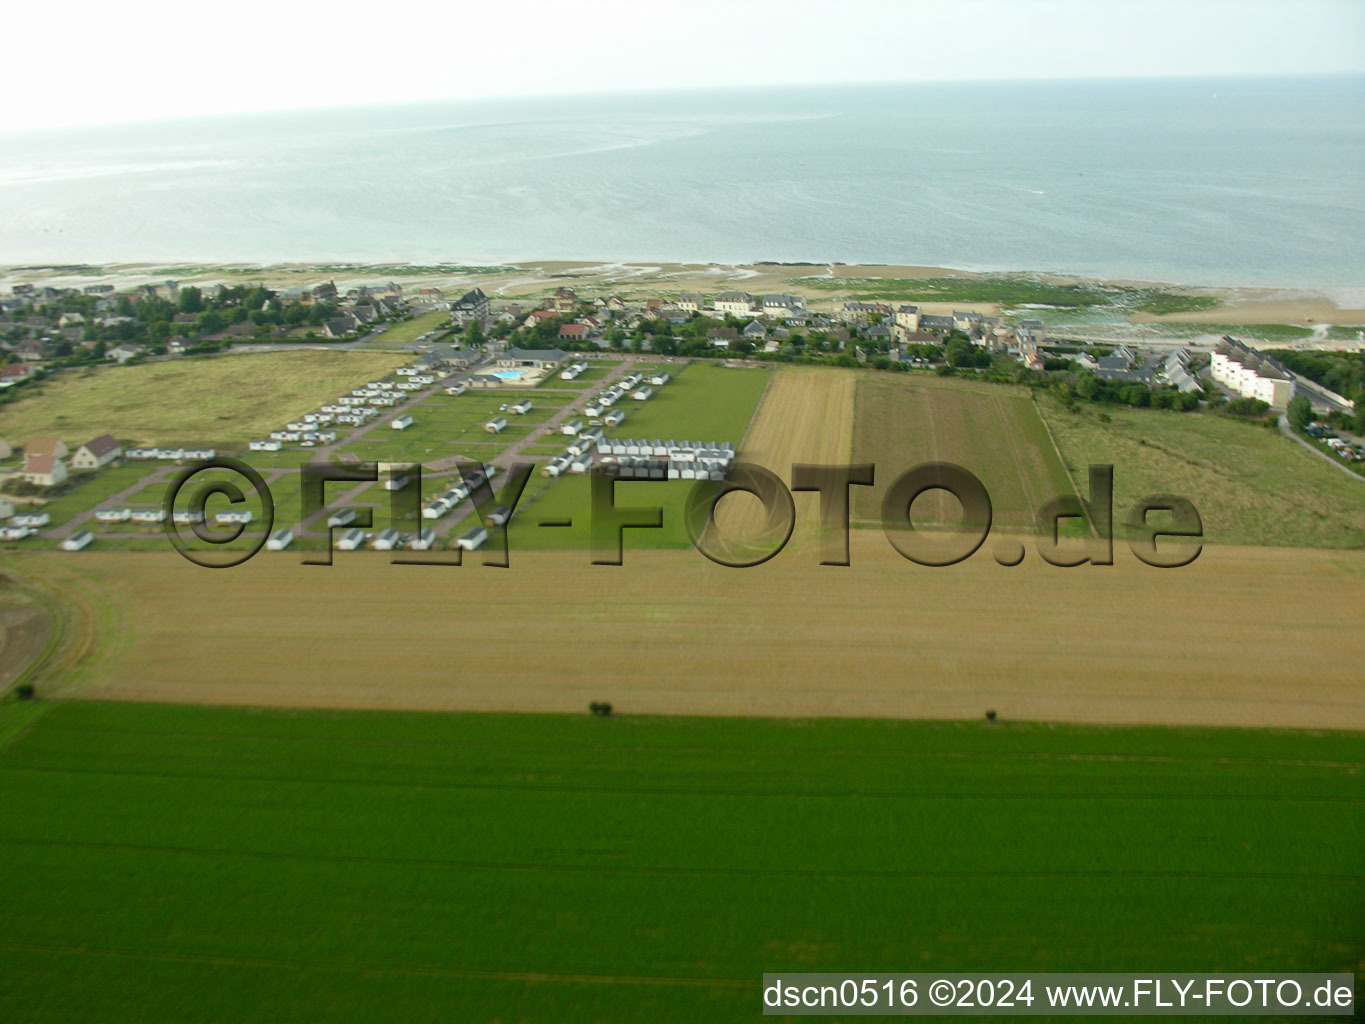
1250	485
224	401
183	863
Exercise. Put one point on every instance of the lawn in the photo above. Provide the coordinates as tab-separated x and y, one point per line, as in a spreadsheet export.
407	331
192	863
1251	485
222	402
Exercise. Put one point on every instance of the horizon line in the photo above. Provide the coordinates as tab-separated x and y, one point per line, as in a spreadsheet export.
675	90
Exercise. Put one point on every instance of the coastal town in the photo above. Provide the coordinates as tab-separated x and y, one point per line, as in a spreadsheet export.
553	380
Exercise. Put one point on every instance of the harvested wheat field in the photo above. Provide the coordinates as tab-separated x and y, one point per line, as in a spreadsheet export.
805	416
1214	643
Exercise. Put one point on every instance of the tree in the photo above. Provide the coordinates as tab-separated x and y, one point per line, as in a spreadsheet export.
191	300
1300	412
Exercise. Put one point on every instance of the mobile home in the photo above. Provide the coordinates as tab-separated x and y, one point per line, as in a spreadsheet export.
402	422
520	408
77	541
387	540
495	425
473	538
571	428
280	540
351	539
424	540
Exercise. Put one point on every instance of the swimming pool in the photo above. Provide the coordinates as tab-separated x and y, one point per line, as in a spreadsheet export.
507	374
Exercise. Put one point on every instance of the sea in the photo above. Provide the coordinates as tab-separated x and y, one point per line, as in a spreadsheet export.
1255	182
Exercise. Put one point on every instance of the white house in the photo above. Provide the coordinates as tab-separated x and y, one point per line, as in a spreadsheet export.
343	518
659	379
113	515
424	540
149	516
643	393
520	408
496	425
571	428
736	304
266	446
31	520
402	422
387	540
97	452
78	540
279	540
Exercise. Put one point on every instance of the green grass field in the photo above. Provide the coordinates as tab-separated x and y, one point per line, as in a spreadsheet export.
1251	485
222	402
191	863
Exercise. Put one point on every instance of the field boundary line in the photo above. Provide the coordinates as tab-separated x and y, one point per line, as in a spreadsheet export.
1038	411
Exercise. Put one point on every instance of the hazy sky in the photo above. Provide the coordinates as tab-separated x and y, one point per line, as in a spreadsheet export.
131	60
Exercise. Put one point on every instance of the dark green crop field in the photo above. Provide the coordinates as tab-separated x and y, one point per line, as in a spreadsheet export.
195	864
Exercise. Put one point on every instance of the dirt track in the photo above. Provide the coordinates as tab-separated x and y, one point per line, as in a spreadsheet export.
1224	641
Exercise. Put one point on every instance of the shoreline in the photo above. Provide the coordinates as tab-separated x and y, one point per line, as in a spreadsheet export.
1243	305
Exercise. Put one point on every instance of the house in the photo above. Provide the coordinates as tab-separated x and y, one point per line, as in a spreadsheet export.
722	337
31	520
907	317
402	422
97	452
853	312
387	540
13	373
113	515
122	353
783	306
643	393
46	445
689	302
452	357
930	322
520	408
564	300
77	541
70	320
571	428
575	332
341	327
428	297
280	539
424	540
537	359
736	304
471	307
179	345
965	320
659	379
755	330
44	470
496	425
